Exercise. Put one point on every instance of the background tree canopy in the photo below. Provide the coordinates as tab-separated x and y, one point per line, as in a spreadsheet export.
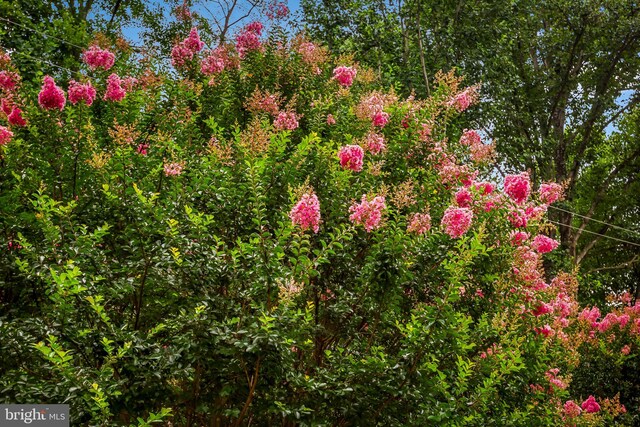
560	89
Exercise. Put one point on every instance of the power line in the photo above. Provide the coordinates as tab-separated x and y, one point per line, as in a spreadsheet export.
598	234
43	34
596	220
43	61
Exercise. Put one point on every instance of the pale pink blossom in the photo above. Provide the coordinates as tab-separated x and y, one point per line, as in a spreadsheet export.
331	120
550	192
420	223
286	120
5	135
470	137
461	101
173	169
81	92
368	214
375	143
95	58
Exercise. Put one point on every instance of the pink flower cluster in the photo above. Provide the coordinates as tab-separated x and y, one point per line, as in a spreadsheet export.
481	153
182	12
15	117
286	120
306	213
5	135
249	39
331	120
96	58
8	80
590	405
173	169
571	409
483	188
351	157
215	61
14	114
554	380
344	75
550	192
81	92
277	10
517	187
543	244
368	214
470	137
518	237
115	91
461	101
51	96
457	221
380	119
420	223
375	143
425	132
184	51
463	197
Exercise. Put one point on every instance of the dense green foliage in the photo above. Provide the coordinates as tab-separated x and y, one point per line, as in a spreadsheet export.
558	77
162	260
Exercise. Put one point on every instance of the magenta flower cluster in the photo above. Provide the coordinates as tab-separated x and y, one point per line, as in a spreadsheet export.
457	221
351	157
51	97
517	187
306	213
344	75
184	51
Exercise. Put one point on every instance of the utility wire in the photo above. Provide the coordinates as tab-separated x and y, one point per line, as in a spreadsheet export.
595	220
598	234
43	61
43	34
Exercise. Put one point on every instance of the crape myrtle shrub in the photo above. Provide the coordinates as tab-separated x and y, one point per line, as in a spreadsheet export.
264	236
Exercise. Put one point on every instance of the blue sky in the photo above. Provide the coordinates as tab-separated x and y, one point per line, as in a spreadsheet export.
202	8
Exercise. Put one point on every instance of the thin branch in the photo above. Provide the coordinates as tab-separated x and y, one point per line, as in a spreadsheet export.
629	263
